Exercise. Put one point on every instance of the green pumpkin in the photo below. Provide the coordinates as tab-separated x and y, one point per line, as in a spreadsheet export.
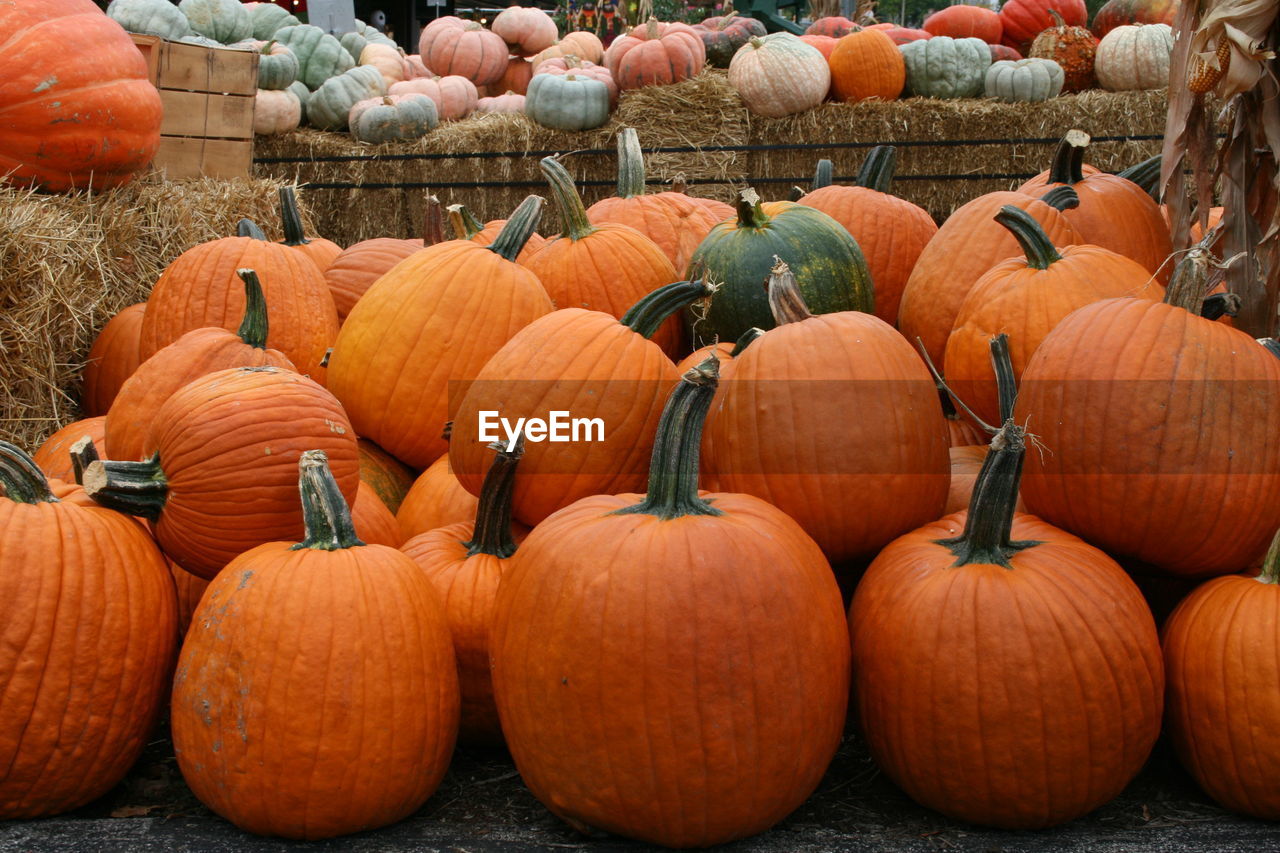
150	17
224	21
361	37
943	67
394	118
567	102
739	254
329	106
320	56
1024	80
277	66
268	19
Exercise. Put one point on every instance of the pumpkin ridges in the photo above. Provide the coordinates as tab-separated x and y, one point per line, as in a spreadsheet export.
112	359
865	65
360	265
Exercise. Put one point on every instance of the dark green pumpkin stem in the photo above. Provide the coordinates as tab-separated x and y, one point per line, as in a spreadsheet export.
248	228
1271	345
1068	160
823	175
750	213
795	194
1146	175
1006	380
325	514
519	228
1036	245
1189	282
254	327
1061	197
630	164
647	316
465	224
1219	305
291	219
745	340
492	531
433	223
83	454
573	215
21	478
673	468
785	300
877	170
134	488
1271	563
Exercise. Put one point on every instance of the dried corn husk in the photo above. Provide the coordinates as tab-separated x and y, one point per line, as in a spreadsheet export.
1243	26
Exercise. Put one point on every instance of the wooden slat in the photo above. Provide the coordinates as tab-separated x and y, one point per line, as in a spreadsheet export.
150	47
200	114
191	157
194	68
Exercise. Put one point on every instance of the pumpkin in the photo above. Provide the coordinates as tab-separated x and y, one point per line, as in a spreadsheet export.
467	227
824	44
90	625
466	49
966	463
1027	80
853	485
516	78
739	253
414	68
202	288
436	499
1115	13
195	354
387	664
968	244
455	96
1188	408
943	67
722	351
221	480
584	45
112	359
1001	51
675	222
1134	57
1026	298
965	21
606	267
692	562
890	231
834	26
225	21
778	75
53	456
360	265
1072	47
320	55
655	54
388	60
590	364
527	30
268	19
190	588
465	563
1221	689
571	102
302	93
509	102
1023	20
420	329
1009	600
722	36
393	118
150	17
1114	212
361	37
318	249
374	523
961	431
904	35
389	478
277	66
276	111
580	68
329	107
75	102
867	65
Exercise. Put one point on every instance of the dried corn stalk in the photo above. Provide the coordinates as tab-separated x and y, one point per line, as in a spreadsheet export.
1229	45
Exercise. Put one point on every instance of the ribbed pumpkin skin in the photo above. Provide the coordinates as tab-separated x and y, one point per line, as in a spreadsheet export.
86	649
1134	56
432	321
963	21
584	362
890	231
389	477
1115	13
112	359
867	64
780	431
968	244
675	222
359	266
1023	20
981	691
375	524
190	588
1189	409
201	288
1222	697
688	686
53	455
358	637
655	54
778	75
468	50
436	499
75	102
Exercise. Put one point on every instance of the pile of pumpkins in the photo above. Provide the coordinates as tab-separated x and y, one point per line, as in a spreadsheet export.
288	467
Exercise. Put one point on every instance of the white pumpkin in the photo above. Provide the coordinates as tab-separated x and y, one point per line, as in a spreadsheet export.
777	75
276	111
1024	80
1134	56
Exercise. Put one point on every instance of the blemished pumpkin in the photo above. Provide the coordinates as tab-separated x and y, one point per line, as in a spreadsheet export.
393	118
112	359
943	67
777	75
655	53
1009	600
965	21
75	103
890	231
53	456
1115	13
722	36
222	477
1024	81
641	644
150	17
1072	47
867	65
277	628
329	106
464	48
320	55
436	499
1134	56
527	30
90	623
1023	20
568	102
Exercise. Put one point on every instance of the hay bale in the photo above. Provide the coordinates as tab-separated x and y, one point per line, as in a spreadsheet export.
68	263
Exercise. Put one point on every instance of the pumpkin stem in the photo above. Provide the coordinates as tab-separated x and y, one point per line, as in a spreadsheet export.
1219	305
253	328
948	396
433	222
464	222
795	194
1146	175
822	174
673	468
877	170
291	219
630	164
1057	19
785	301
680	184
1271	563
1061	198
21	478
1068	161
745	340
651	30
1271	345
519	228
750	212
248	228
1189	282
647	316
134	488
573	214
1036	245
83	453
1006	381
492	531
325	514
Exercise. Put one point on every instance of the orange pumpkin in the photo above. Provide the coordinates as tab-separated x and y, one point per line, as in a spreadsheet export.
436	499
54	455
359	266
965	21
824	44
390	478
190	589
374	523
655	54
516	78
467	227
866	65
112	359
452	46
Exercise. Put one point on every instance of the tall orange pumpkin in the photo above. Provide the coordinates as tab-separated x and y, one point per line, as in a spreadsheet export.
112	359
867	65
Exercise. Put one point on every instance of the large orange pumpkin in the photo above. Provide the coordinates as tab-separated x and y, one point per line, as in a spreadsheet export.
112	359
75	104
436	499
867	65
655	53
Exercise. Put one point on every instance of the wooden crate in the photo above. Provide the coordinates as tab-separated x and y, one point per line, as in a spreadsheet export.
208	95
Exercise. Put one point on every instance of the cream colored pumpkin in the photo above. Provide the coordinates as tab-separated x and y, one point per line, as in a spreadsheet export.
777	75
388	60
508	103
1134	57
525	29
276	111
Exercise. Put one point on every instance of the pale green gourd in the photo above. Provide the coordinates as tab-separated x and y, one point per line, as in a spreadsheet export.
943	67
150	17
320	56
567	102
224	21
330	105
1024	80
268	19
392	118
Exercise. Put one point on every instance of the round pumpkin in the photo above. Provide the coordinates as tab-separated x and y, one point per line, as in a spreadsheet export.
569	102
567	65
965	21
1024	81
1072	47
225	21
436	499
358	266
778	75
723	36
866	65
527	30
392	118
1134	57
320	55
464	48
455	96
1023	20
276	111
150	17
329	107
516	78
1115	13
112	359
655	54
943	67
